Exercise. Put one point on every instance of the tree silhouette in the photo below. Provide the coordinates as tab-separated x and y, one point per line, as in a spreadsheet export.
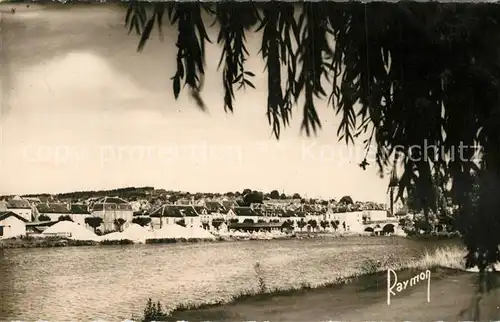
119	222
65	218
94	222
43	218
424	74
313	224
253	197
324	224
301	224
346	200
217	223
274	194
287	224
142	221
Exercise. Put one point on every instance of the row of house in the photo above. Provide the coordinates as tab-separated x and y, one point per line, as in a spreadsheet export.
215	212
37	214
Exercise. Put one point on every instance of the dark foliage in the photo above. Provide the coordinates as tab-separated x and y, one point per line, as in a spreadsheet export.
301	224
161	241
217	223
119	222
94	222
424	74
142	221
43	218
154	312
346	200
253	197
117	242
274	194
122	192
313	224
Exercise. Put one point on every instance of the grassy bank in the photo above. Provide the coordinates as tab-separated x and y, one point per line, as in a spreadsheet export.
54	241
370	272
43	242
435	236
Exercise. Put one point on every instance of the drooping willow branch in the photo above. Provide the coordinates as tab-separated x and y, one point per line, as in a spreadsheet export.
413	76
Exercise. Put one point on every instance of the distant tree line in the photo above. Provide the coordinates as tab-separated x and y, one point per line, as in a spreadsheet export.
244	198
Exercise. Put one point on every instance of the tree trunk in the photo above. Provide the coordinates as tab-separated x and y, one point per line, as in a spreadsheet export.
426	216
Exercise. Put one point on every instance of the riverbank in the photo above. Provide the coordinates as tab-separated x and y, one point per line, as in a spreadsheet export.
53	241
359	295
453	297
43	242
46	242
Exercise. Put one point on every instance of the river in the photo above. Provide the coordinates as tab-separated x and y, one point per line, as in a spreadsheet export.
114	282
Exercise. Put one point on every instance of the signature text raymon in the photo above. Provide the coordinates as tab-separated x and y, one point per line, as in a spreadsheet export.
393	286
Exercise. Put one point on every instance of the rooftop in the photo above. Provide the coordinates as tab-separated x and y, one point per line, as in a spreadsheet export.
175	211
52	208
6	214
244	211
18	202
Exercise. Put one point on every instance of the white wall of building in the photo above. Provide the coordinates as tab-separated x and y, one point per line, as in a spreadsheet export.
189	221
109	217
376	215
12	227
353	220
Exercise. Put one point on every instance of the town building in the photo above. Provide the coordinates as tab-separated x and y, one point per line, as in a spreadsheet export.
349	221
21	207
175	214
12	225
53	211
246	215
256	227
216	211
111	210
37	227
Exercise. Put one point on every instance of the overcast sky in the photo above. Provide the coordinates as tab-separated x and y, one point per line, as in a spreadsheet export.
81	109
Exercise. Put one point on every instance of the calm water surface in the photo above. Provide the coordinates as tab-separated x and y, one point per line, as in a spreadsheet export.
114	282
